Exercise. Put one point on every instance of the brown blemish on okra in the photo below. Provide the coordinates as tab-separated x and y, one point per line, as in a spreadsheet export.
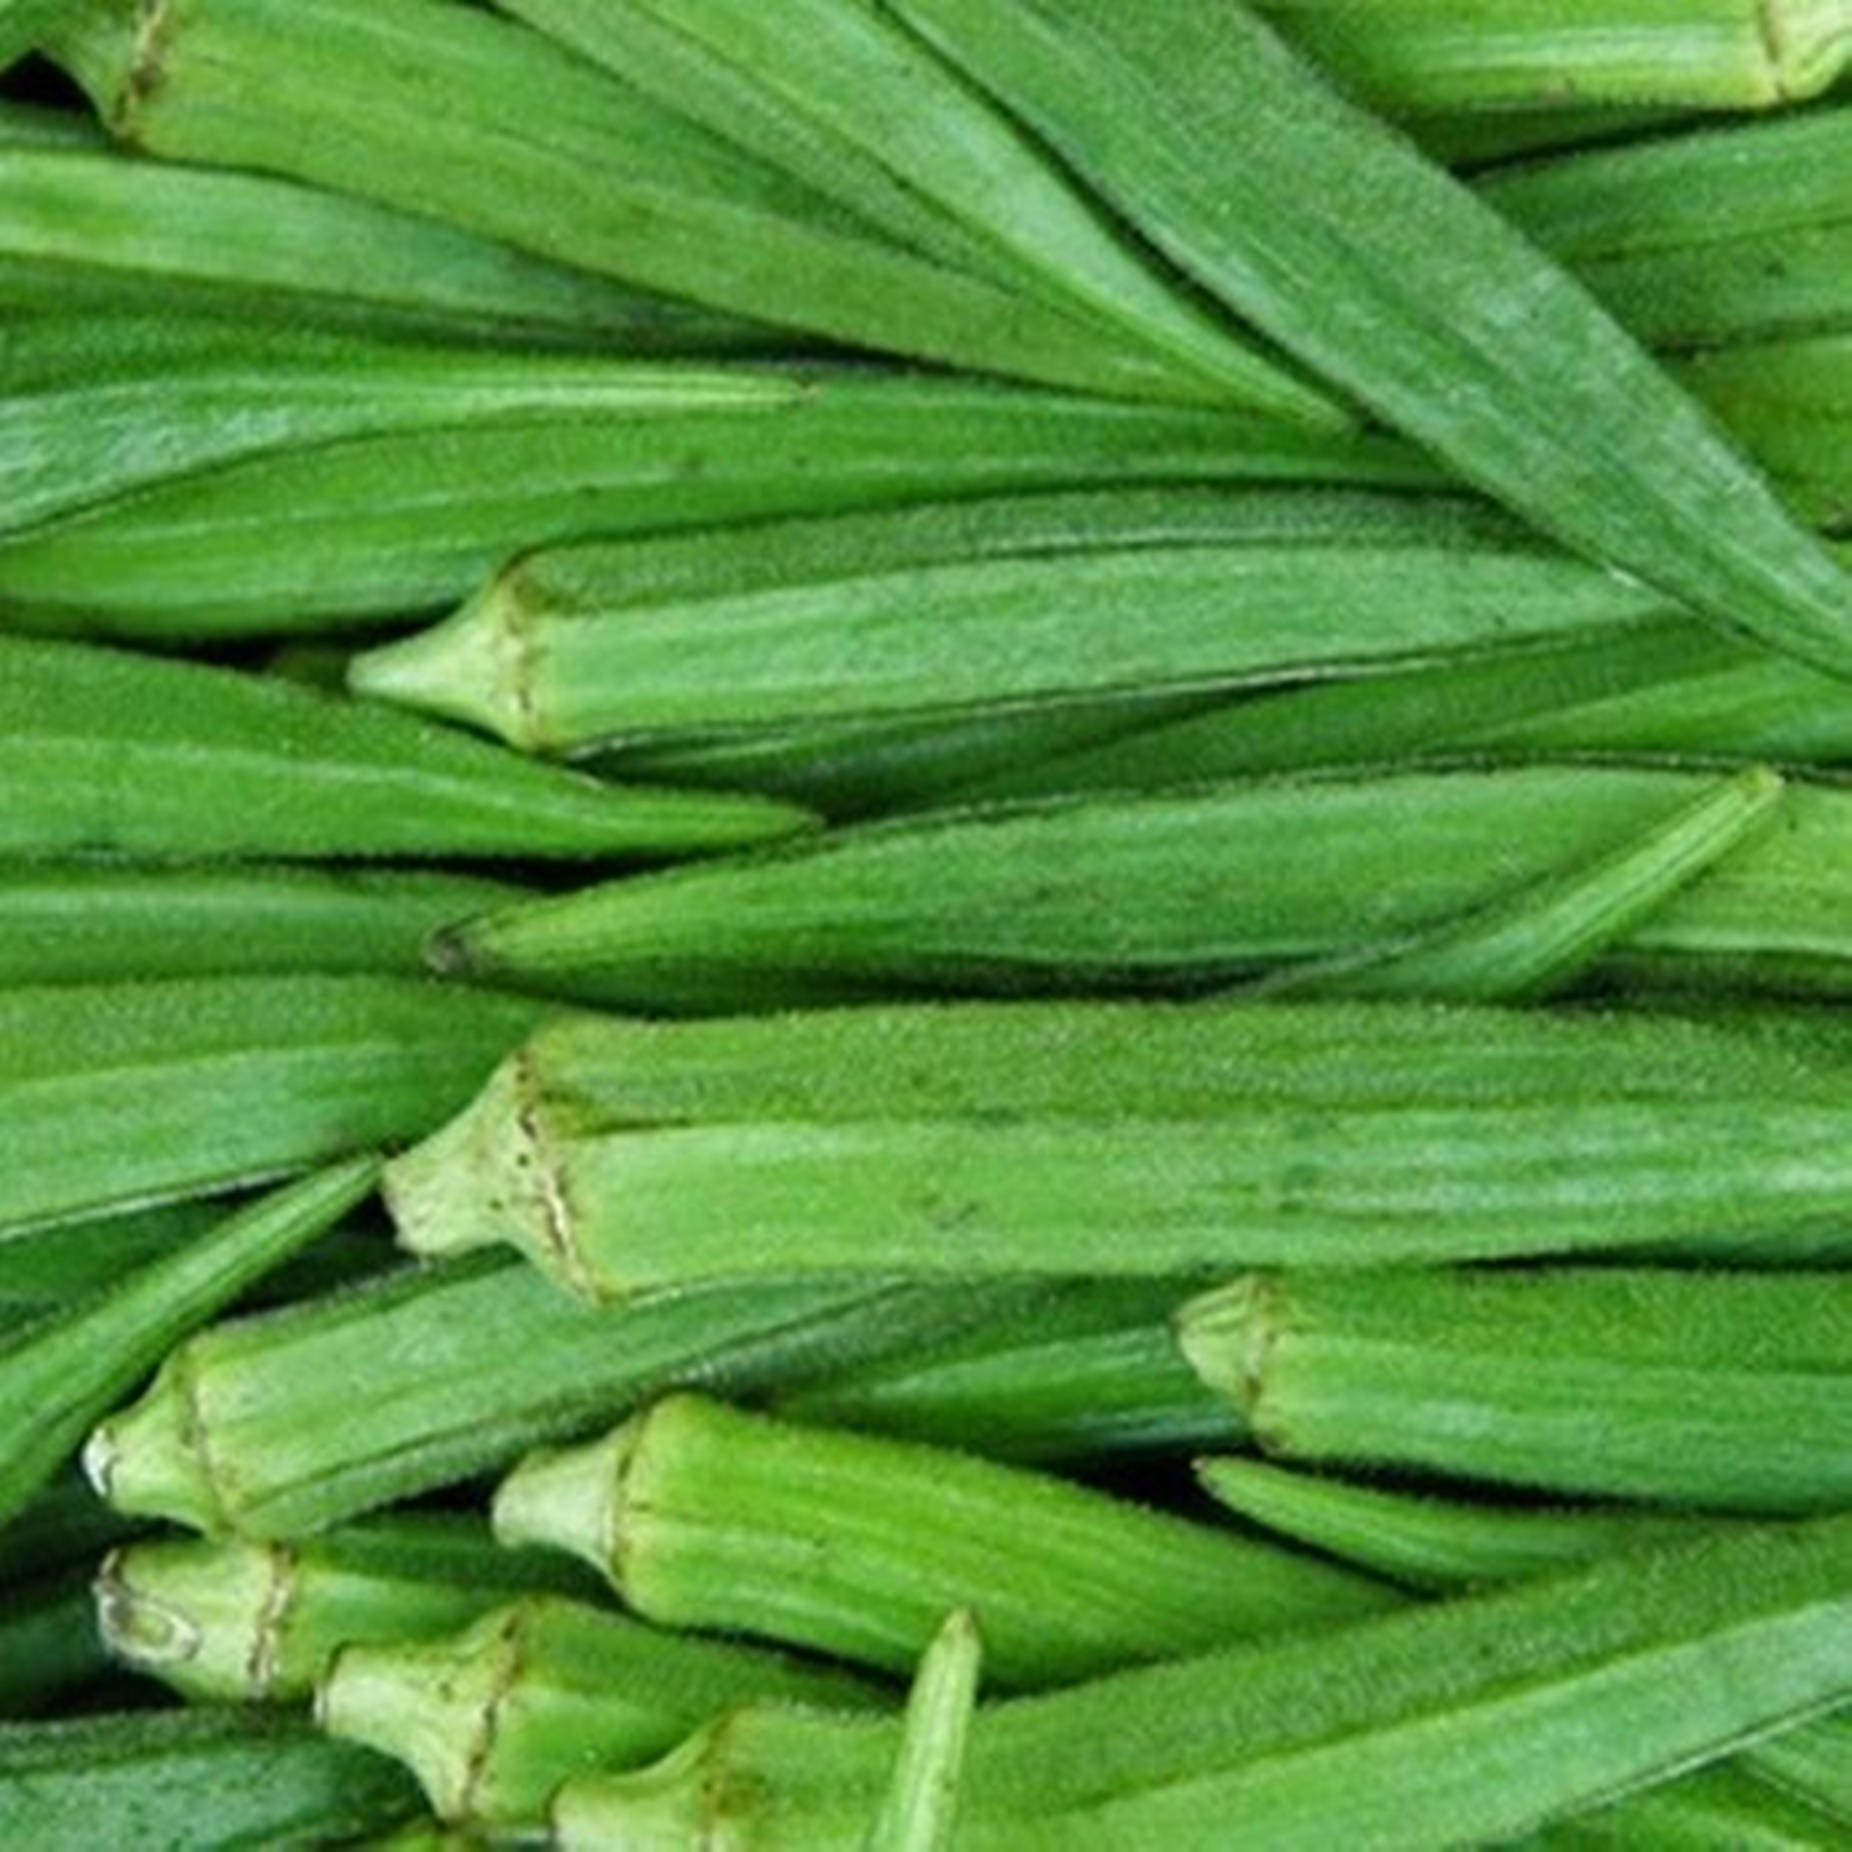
512	1642
146	69
264	1661
535	1164
126	1619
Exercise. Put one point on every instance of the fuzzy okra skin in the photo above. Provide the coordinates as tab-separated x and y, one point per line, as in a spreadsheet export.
858	1546
192	1781
61	1373
1467	1722
230	1620
1207	132
1721	1391
82	230
284	1425
1001	603
1186	890
920	1809
103	751
493	1719
1026	1138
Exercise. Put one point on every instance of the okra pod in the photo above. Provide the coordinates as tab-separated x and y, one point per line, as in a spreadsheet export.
920	1809
283	1425
70	922
467	118
65	1527
493	1720
49	1649
193	1781
1467	1722
119	1095
37	127
60	1374
228	1620
1208	133
857	1546
1722	1391
21	22
82	230
1184	891
1724	1805
1027	1138
1813	1763
1004	602
105	751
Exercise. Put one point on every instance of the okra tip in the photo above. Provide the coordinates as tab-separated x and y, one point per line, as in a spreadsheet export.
146	1460
569	1498
1225	1336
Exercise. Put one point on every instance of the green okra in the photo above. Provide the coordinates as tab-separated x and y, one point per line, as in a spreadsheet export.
72	922
120	1095
66	1526
1028	1138
468	118
107	752
1738	232
1724	1391
283	1425
193	1781
325	512
61	1373
1189	889
857	1546
1093	1373
33	126
494	1719
227	1620
1813	1763
995	604
1467	1722
70	1261
920	1809
49	1650
1208	133
83	230
21	24
1430	1543
1725	1807
900	139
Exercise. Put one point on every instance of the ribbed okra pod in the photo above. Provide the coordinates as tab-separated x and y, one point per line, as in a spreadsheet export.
1469	1722
71	922
82	230
1723	1391
1208	133
858	1546
279	1426
1028	1138
920	1809
997	603
228	1620
60	1373
194	1779
103	751
116	1095
1183	891
494	1719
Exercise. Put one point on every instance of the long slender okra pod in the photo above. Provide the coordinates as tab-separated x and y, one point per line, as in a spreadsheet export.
858	1546
206	1778
1027	1138
286	1424
493	1720
1207	132
1469	1722
59	1375
261	1622
102	750
1181	891
117	1095
920	1809
1720	1391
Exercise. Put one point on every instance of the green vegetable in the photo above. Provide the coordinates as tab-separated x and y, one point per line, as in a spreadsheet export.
116	1095
256	1426
34	126
1721	1391
65	1527
493	1720
103	751
921	1808
192	1781
49	1650
1210	136
1813	1763
1029	1138
855	1546
231	1620
1466	1723
1181	891
60	1374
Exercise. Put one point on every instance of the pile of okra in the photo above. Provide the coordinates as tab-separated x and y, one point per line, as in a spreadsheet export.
925	925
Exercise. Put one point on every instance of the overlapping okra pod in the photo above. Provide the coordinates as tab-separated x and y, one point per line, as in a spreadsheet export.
920	1809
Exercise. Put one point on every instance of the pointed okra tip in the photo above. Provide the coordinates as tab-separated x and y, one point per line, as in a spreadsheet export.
570	1498
146	1460
1226	1336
